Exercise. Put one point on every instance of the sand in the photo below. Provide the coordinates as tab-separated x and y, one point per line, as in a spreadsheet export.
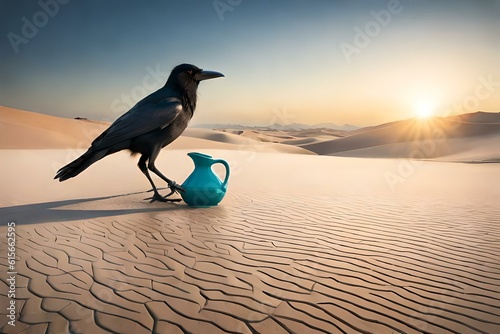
300	244
21	129
436	139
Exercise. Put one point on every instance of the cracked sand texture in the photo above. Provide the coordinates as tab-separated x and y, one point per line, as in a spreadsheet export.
266	264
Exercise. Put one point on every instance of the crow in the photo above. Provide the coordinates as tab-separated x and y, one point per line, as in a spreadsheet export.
153	123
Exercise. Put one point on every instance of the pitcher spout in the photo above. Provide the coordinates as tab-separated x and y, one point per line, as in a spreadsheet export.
200	158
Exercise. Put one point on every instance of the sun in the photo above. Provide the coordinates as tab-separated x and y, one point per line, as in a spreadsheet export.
424	109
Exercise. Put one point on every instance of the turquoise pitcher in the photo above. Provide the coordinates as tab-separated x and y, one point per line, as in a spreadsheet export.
202	187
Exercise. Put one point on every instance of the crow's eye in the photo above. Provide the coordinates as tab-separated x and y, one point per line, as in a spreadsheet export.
190	72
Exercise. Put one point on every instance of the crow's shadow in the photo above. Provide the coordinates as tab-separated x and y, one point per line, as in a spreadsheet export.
48	212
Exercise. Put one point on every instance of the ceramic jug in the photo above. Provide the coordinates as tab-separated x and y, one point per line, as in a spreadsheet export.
203	187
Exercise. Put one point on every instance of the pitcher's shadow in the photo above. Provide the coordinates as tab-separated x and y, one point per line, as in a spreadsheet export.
48	211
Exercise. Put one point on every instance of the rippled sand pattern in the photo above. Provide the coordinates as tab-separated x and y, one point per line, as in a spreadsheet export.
263	263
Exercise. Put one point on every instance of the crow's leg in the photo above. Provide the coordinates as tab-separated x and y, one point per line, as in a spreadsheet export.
174	187
156	197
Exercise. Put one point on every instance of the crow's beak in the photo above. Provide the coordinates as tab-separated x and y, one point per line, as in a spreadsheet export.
204	75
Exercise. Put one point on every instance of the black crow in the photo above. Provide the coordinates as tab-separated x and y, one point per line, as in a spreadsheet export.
153	123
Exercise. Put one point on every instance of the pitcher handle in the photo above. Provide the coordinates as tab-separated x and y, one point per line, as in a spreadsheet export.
224	184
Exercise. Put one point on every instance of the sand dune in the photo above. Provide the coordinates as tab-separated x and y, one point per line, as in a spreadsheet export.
292	137
21	129
217	136
404	139
267	136
48	132
469	149
464	138
232	141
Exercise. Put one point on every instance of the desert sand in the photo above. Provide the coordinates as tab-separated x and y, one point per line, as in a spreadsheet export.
303	242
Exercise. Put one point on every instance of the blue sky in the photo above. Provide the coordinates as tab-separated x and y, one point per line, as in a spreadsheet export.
285	61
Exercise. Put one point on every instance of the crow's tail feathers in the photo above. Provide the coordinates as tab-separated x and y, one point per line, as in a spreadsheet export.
79	165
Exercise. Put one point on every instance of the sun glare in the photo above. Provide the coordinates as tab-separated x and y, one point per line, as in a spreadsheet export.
424	109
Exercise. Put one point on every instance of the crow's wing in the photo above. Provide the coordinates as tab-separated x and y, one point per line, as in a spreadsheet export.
141	119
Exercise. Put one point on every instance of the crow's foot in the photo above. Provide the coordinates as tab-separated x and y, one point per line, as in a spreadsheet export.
160	198
174	188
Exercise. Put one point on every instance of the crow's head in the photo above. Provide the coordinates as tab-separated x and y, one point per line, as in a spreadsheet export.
184	80
187	77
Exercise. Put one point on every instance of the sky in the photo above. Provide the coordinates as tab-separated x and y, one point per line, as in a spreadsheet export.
319	61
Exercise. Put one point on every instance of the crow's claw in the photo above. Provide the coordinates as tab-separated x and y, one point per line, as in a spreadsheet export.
174	188
159	198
